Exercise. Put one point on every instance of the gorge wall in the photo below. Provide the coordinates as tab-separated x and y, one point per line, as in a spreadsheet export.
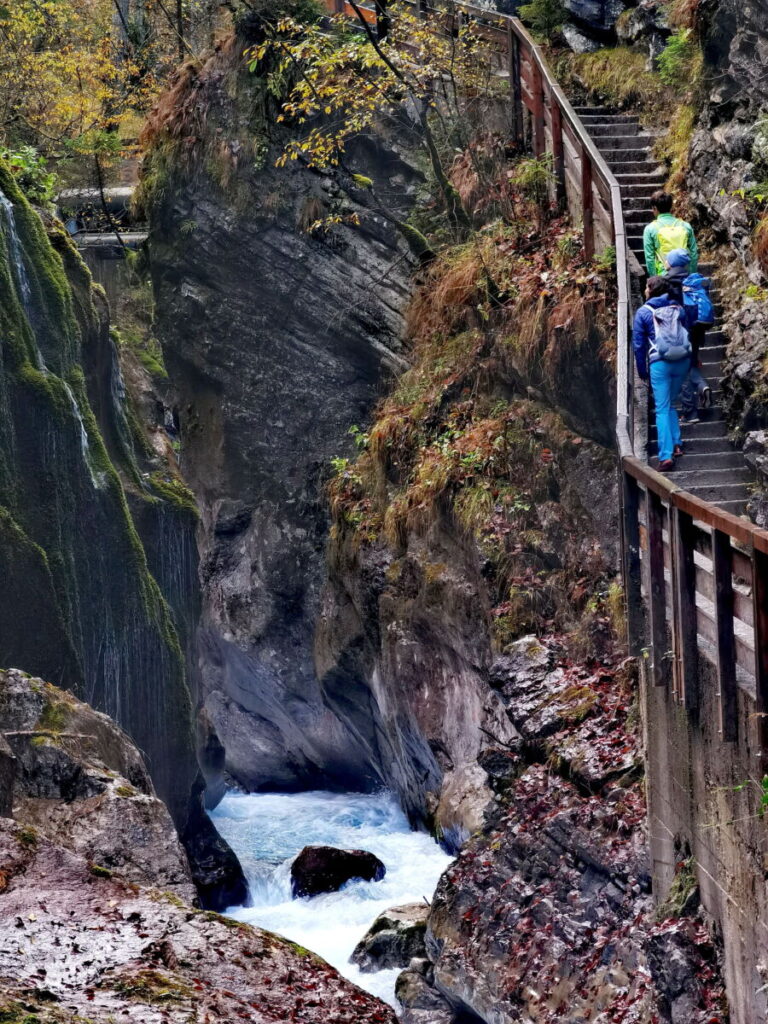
83	603
84	609
277	341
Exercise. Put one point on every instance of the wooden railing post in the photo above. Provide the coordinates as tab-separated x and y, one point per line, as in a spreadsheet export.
722	570
654	517
587	204
539	139
558	154
631	564
682	536
760	619
515	83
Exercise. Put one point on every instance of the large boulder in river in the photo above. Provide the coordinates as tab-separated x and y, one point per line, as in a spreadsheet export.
394	939
320	869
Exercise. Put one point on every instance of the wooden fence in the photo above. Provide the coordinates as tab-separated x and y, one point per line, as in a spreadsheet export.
696	577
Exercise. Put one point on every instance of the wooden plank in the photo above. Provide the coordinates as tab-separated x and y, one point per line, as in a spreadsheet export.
722	570
760	609
654	517
742	603
684	605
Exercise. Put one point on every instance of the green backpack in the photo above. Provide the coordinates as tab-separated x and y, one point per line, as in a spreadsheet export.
669	237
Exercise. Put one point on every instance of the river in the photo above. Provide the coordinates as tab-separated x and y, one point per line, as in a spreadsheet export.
268	830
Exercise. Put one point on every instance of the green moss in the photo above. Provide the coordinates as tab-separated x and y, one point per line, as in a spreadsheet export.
682	892
98	871
172	489
16	1013
54	717
28	836
151	986
126	791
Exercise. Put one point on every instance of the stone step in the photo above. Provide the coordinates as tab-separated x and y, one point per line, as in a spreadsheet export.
595	121
708	427
620	140
621	168
736	508
714	337
593	110
621	154
718	494
710	447
712	354
702	462
639	202
635	184
702	477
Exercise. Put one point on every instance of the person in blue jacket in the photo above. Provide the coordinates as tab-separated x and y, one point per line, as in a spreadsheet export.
665	374
692	291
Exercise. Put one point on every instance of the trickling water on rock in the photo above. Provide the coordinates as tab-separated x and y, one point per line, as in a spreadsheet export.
267	831
16	253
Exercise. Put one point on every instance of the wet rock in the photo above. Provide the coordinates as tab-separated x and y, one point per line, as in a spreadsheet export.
216	871
421	1003
647	23
7	778
77	943
597	15
394	939
82	783
319	869
579	41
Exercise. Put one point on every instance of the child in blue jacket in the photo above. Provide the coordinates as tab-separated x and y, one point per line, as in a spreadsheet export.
666	376
693	291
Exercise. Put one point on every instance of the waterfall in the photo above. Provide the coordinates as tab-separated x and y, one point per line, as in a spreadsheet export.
16	253
96	480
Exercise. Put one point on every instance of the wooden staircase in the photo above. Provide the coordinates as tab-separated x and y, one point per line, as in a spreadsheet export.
711	468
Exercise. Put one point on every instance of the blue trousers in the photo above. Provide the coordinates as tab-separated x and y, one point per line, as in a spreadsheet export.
692	388
666	381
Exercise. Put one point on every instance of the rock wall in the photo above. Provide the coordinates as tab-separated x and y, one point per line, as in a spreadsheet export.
85	609
547	915
277	342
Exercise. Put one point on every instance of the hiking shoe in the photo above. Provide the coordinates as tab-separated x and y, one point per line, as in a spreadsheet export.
679	450
705	397
690	417
666	465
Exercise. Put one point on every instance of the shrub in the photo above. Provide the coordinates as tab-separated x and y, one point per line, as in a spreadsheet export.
545	17
680	62
29	169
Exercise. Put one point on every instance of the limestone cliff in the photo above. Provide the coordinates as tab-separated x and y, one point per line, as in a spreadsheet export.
277	342
69	549
82	604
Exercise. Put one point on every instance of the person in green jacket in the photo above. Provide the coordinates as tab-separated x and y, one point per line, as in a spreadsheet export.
666	233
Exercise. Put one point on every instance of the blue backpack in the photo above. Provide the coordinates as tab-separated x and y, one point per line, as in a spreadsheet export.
671	342
698	304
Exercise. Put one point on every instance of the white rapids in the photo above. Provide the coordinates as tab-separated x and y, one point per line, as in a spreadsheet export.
268	830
